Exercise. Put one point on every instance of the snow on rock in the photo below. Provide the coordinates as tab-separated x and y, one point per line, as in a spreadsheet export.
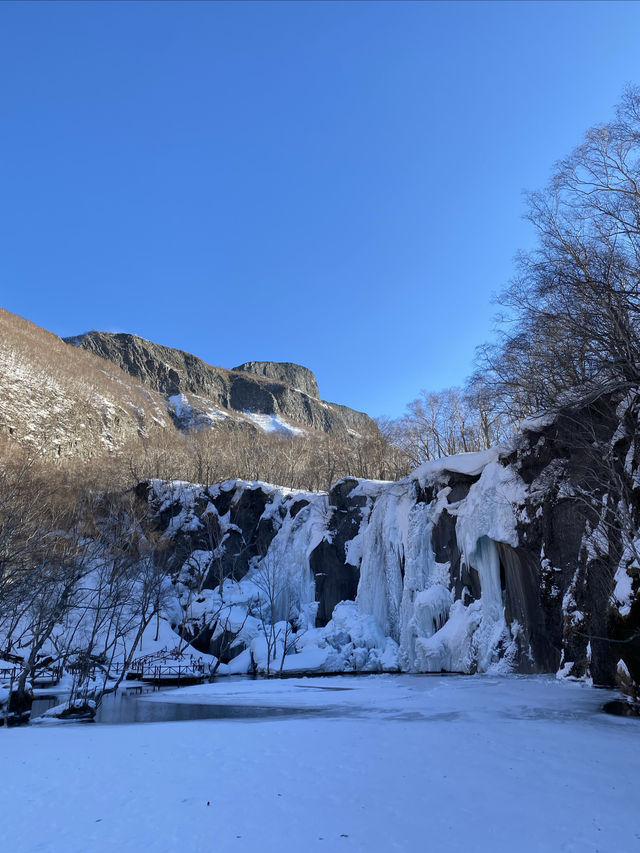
273	423
461	463
408	592
623	591
189	416
405	613
622	596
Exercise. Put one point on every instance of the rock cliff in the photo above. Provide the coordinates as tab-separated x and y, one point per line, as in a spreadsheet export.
270	388
294	375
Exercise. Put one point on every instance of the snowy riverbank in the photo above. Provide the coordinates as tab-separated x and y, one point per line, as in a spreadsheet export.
391	763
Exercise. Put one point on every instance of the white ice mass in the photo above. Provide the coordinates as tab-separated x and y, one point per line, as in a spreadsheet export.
405	615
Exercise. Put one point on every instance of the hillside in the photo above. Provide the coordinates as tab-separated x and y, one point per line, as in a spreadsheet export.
109	392
64	402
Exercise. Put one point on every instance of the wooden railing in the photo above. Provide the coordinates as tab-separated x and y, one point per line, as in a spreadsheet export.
49	673
151	668
164	668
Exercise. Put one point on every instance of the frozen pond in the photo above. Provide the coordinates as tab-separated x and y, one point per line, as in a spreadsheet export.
375	764
406	697
425	697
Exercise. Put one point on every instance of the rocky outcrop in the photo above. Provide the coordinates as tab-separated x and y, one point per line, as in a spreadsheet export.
294	375
270	388
335	578
492	561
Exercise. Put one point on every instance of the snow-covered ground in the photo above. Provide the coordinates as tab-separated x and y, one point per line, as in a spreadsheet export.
389	764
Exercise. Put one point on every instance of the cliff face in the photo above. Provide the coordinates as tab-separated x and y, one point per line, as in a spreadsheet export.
118	394
294	375
482	562
270	388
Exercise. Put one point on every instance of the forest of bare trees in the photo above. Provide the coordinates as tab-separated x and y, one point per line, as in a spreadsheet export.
82	575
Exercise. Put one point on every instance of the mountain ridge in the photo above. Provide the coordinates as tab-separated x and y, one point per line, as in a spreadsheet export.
260	387
80	402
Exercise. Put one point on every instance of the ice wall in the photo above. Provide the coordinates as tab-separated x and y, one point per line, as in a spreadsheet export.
438	614
410	594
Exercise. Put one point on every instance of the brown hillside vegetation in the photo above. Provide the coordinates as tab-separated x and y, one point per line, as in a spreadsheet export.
84	415
60	402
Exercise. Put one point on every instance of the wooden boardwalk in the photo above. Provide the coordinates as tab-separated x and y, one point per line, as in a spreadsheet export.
166	670
159	669
47	677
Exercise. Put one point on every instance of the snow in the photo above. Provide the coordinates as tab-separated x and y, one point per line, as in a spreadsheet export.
384	541
623	591
538	422
622	596
361	765
489	509
193	417
273	423
470	464
309	659
180	405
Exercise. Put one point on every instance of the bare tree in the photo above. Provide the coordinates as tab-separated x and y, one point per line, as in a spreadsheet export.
277	611
443	423
571	316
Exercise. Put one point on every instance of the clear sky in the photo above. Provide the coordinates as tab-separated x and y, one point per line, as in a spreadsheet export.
336	184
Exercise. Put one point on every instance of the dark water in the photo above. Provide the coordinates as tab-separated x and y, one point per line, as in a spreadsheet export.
622	709
128	706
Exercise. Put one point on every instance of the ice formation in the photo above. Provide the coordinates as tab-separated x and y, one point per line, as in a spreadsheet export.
406	612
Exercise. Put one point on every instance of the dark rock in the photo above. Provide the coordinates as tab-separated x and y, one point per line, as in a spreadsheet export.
247	510
540	634
222	501
459	485
19	710
294	375
273	388
622	709
335	579
443	540
340	495
296	506
233	562
223	646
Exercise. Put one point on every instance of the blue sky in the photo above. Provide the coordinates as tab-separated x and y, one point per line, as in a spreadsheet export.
337	184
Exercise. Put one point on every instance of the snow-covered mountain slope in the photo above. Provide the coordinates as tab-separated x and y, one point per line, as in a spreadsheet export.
479	562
